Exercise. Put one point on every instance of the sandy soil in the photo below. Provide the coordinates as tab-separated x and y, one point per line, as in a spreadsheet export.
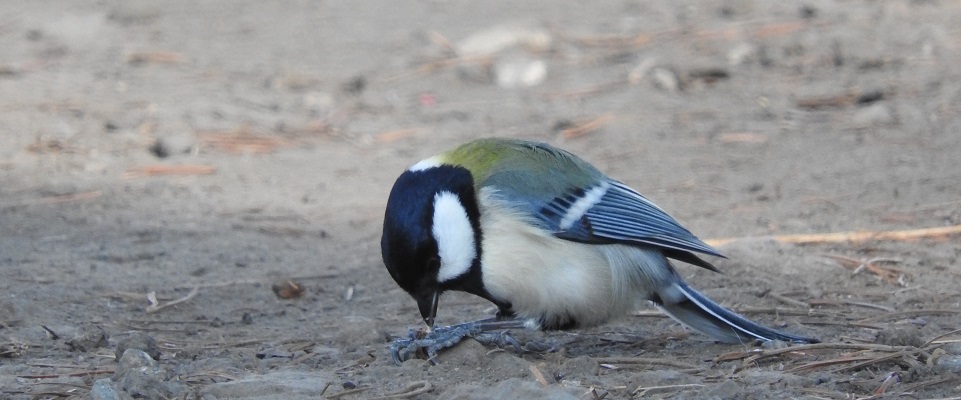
204	153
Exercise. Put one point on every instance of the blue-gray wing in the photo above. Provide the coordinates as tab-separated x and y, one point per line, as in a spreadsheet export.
611	212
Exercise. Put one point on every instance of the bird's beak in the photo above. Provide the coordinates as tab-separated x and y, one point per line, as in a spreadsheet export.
428	308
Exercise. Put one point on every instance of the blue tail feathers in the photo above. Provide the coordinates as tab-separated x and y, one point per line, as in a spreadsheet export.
705	316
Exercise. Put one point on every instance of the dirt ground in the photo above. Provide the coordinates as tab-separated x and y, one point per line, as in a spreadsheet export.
165	166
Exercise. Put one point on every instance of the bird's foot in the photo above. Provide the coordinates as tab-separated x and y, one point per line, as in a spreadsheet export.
541	347
499	339
421	343
429	343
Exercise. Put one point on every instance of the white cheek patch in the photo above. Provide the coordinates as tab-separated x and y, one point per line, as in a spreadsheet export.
454	235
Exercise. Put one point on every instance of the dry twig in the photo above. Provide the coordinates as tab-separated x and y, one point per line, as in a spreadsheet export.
242	141
55	199
936	338
890	275
163	169
832	302
74	375
878	359
758	354
412	390
742	137
615	41
864	355
204	376
855	237
909	313
589	91
645	360
585	127
642	391
831	101
156	57
846	358
155	306
397	134
538	375
787	300
347	392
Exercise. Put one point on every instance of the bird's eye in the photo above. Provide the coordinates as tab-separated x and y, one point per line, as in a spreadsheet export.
433	264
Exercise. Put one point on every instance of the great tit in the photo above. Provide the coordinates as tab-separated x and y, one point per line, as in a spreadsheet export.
549	239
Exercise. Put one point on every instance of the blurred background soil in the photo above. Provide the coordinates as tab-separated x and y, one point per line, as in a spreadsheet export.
191	193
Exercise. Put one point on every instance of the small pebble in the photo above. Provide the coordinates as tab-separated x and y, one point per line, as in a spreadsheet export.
742	53
287	289
87	337
665	79
774	344
500	38
284	384
138	340
140	376
874	115
519	72
105	389
172	145
952	348
355	85
641	70
134	359
950	364
900	335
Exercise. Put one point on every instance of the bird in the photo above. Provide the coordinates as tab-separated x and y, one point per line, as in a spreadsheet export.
550	240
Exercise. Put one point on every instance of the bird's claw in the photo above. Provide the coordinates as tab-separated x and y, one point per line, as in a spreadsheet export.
429	343
499	339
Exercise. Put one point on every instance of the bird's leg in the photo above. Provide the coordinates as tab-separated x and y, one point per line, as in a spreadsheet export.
487	331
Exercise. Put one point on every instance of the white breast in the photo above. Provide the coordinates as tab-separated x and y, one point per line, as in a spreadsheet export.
552	279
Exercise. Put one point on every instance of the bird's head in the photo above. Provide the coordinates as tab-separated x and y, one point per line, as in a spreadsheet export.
431	239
